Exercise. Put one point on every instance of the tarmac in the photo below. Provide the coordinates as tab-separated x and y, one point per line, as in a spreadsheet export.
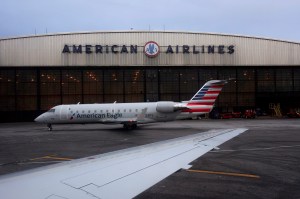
263	162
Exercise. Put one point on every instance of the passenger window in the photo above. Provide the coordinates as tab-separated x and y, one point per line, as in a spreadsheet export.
89	111
124	110
101	111
136	110
130	110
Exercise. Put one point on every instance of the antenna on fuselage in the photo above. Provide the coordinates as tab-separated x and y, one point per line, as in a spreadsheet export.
78	103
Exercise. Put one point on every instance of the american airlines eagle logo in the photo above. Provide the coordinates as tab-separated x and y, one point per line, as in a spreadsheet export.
151	49
72	116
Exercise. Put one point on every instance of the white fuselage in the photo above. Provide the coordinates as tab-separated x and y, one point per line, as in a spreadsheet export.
131	114
145	112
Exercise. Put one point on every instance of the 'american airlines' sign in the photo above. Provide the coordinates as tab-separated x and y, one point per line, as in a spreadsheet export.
151	49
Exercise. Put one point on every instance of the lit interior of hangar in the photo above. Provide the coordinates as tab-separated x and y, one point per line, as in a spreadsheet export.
39	72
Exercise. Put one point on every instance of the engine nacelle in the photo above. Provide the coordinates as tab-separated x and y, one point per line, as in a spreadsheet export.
165	107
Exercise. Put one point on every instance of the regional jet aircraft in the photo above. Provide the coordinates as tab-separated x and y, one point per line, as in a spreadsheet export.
131	114
120	174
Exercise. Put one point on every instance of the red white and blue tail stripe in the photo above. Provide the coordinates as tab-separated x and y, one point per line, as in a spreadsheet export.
203	101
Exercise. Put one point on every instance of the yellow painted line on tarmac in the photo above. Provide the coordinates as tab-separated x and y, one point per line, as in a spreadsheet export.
57	158
52	158
224	173
37	158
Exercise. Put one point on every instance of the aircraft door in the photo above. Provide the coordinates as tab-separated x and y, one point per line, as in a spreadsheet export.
64	112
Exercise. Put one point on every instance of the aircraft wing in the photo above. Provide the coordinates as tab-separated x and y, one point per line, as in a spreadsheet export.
120	174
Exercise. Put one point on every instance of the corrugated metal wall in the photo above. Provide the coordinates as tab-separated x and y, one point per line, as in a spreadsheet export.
47	50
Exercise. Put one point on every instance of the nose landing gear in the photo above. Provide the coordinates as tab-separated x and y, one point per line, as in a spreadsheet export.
49	127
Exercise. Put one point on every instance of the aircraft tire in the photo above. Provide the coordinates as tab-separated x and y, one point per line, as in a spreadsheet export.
49	127
129	126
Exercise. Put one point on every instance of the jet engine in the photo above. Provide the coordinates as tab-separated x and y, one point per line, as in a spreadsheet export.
169	107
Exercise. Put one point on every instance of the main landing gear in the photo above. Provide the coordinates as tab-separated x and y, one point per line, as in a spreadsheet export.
49	127
129	126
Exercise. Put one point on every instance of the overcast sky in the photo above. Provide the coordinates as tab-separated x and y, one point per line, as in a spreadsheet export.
278	19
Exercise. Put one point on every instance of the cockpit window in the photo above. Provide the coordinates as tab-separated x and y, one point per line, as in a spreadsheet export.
51	110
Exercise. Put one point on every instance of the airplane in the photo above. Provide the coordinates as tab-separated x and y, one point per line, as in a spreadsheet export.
118	174
131	114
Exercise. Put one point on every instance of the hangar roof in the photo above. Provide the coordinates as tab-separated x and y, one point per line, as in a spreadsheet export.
127	48
145	31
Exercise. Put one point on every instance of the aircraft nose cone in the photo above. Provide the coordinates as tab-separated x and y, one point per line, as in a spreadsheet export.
39	119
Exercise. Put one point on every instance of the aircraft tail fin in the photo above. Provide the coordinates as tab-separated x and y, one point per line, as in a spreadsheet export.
204	100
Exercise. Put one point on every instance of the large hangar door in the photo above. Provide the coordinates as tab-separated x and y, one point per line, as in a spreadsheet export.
151	81
286	101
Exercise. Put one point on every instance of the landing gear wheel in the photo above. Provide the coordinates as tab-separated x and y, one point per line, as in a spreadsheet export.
129	126
126	126
49	127
133	126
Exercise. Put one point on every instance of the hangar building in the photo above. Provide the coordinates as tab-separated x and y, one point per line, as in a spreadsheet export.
38	72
